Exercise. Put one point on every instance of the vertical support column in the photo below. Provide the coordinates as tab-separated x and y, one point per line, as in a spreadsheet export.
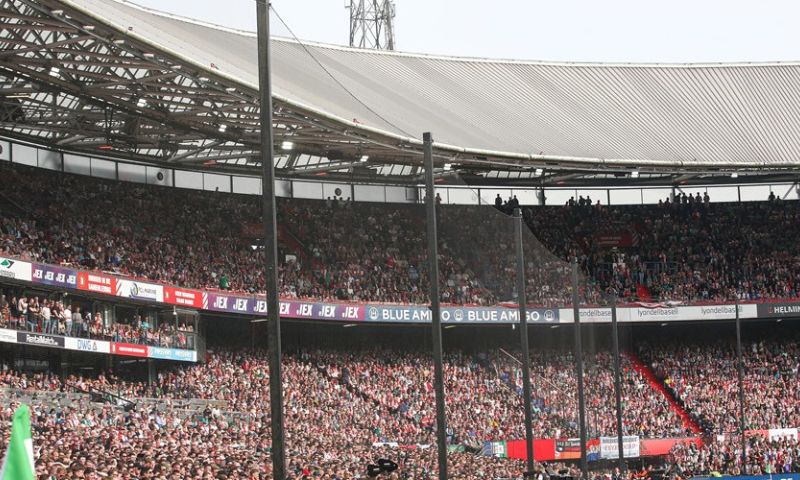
151	372
433	267
617	381
740	375
270	243
523	333
579	369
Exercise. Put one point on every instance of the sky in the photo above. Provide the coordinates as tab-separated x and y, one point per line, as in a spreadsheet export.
675	31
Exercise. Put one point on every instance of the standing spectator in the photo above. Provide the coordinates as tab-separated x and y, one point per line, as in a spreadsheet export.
47	317
67	315
77	322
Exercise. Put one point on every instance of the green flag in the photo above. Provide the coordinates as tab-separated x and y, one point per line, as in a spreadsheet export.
18	464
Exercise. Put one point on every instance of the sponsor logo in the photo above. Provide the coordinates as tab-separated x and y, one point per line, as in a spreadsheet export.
40	339
784	309
54	276
87	345
96	283
373	313
173	354
15	269
129	349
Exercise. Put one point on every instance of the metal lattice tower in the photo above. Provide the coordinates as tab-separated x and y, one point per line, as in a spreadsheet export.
372	24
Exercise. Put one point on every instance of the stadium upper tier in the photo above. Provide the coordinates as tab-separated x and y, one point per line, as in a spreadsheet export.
367	252
196	86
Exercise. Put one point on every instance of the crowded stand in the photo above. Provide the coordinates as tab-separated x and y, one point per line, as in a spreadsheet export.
346	407
349	251
330	430
51	316
724	457
704	377
485	391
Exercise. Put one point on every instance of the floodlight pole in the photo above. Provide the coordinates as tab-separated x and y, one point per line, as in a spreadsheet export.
436	319
617	381
270	244
740	374
579	370
523	335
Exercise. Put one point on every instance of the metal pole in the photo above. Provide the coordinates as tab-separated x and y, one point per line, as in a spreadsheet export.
740	374
617	381
523	333
270	244
579	369
433	267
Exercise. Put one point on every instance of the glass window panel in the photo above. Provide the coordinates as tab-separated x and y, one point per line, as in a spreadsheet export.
214	182
24	154
50	160
77	164
104	169
132	173
247	185
626	196
307	190
187	179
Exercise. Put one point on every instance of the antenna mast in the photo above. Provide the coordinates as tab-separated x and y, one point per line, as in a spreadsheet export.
372	24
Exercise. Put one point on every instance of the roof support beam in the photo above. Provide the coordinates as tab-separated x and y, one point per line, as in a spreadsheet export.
190	153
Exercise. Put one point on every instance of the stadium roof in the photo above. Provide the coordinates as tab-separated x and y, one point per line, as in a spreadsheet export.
84	74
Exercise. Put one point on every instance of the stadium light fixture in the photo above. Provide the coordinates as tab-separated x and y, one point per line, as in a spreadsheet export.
448	167
635	174
88	27
287	145
119	41
141	103
363	158
56	12
222	128
55	71
538	172
735	175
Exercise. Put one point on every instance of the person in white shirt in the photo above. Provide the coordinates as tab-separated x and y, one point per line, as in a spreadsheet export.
46	318
68	318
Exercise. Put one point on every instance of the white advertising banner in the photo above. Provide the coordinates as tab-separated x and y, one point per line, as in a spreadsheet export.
87	345
15	269
661	314
8	336
609	447
140	290
783	433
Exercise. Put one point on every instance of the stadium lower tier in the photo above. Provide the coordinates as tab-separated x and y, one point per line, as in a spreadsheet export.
364	252
347	407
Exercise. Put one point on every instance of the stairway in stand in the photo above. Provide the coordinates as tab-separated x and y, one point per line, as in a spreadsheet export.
647	372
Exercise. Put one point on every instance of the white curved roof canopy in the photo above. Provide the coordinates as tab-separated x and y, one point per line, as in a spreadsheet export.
743	115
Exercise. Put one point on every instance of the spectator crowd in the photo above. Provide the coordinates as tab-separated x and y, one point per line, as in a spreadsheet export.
342	250
344	409
58	316
705	378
